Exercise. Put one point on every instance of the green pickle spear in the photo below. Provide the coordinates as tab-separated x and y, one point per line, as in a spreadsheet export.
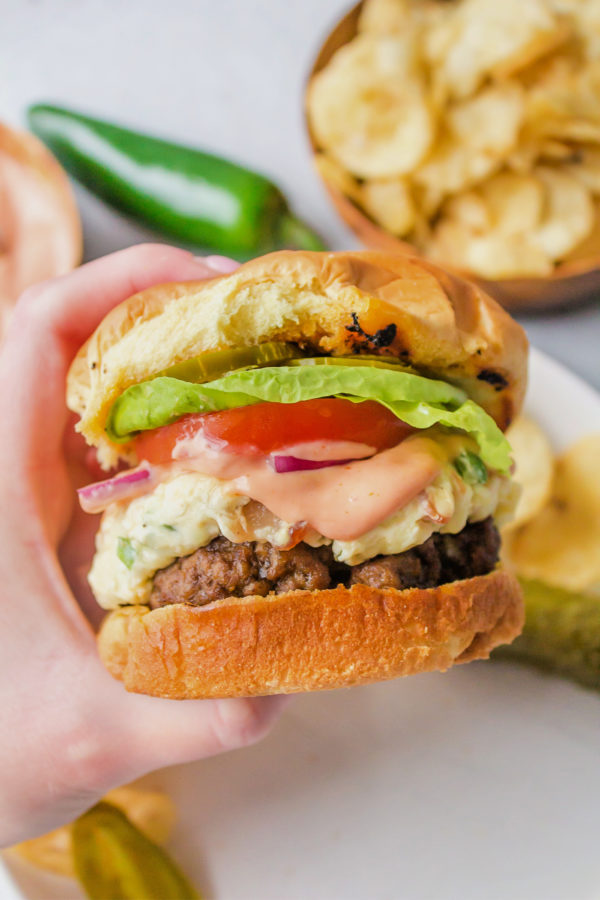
561	633
115	861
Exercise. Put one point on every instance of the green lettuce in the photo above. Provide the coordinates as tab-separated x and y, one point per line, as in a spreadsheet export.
421	402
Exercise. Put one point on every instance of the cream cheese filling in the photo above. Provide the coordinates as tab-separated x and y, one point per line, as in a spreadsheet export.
138	537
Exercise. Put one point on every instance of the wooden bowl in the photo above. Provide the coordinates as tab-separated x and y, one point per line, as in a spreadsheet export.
573	281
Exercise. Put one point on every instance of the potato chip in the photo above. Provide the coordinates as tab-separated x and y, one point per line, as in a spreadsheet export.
564	100
385	16
486	230
531	150
153	812
561	545
588	248
470	210
389	202
515	202
51	851
491	255
586	19
368	108
481	132
569	213
534	468
506	256
523	157
585	166
482	38
558	151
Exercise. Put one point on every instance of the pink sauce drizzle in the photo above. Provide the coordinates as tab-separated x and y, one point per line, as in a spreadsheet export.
341	502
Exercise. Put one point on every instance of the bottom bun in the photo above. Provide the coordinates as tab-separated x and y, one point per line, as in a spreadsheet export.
308	640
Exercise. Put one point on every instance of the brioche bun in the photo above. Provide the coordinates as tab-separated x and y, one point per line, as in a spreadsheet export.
308	640
442	326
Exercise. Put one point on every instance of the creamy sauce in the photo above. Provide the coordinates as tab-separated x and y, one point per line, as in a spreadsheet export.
340	502
343	502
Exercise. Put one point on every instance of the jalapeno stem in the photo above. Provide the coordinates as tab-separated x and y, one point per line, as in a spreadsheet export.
295	234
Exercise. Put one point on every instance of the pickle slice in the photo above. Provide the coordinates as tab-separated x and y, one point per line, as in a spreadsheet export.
379	362
113	859
215	363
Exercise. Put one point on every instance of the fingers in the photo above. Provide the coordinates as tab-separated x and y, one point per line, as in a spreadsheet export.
50	323
168	732
52	320
138	734
74	304
222	263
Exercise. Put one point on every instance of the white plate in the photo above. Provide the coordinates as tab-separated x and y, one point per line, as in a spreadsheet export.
479	784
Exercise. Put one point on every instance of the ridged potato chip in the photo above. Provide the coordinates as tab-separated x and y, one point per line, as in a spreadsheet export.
153	812
482	38
389	201
470	210
492	254
534	469
489	228
480	133
515	202
588	247
585	166
569	213
385	16
369	107
586	15
561	545
564	100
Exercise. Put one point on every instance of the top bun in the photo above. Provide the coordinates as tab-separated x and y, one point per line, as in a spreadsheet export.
439	324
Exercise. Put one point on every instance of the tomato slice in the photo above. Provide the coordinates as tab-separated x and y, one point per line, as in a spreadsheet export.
269	427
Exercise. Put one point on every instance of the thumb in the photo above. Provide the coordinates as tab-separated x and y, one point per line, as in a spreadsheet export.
149	733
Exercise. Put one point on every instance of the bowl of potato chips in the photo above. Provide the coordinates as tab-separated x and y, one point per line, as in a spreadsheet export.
468	131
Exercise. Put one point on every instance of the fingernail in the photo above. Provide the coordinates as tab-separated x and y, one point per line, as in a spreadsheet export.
222	264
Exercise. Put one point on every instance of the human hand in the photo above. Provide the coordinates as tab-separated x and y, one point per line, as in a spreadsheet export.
70	732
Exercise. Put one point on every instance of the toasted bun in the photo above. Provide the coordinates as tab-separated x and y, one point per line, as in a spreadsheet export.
308	640
441	325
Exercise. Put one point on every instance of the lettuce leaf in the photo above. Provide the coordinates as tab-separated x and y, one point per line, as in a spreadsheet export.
421	402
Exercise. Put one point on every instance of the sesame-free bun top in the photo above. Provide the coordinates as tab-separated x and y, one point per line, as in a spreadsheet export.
334	303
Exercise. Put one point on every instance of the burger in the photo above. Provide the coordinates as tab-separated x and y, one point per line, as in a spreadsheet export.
315	473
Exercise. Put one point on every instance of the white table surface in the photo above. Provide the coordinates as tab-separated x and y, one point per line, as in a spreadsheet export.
223	74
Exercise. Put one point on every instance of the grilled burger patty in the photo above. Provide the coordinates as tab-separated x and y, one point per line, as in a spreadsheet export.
224	569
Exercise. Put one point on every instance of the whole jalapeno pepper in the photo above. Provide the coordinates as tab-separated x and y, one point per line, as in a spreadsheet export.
183	193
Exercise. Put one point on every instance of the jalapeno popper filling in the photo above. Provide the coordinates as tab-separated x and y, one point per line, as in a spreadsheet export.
262	469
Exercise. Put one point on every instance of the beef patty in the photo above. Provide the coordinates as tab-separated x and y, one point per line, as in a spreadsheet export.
224	569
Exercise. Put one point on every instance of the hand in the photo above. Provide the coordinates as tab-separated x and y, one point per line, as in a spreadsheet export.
69	731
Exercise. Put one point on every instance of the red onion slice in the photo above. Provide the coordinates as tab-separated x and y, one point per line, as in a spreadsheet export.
95	497
295	464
